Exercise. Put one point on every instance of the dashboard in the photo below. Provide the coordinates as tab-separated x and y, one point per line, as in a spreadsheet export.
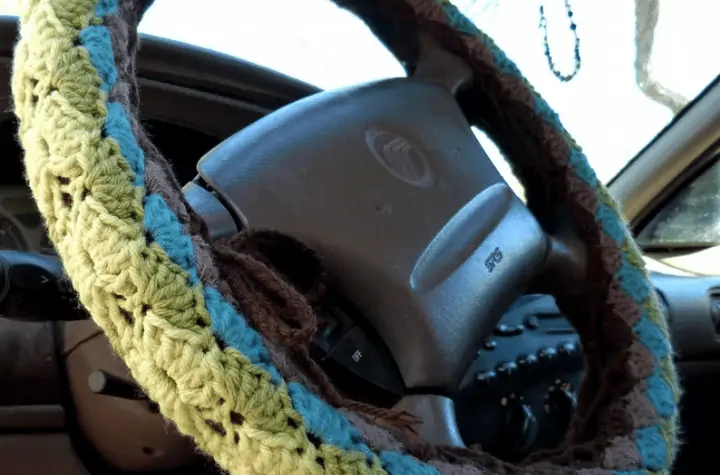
523	384
517	396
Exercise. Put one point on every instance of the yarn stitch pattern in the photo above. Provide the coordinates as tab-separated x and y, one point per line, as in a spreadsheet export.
133	263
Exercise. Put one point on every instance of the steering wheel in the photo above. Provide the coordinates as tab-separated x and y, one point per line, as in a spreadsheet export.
388	186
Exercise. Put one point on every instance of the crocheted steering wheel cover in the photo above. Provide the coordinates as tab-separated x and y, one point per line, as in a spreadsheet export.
136	256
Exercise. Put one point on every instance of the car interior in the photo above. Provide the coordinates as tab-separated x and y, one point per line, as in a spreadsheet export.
68	405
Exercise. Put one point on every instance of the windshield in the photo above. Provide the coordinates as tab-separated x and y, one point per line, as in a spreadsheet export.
616	71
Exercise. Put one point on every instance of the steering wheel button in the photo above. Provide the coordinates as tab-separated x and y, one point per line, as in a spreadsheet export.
508	330
526	360
485	377
547	353
567	348
364	358
507	367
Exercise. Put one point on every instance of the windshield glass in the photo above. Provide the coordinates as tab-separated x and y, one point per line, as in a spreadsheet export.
633	65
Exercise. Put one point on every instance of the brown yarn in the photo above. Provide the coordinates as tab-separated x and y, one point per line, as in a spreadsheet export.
279	284
276	280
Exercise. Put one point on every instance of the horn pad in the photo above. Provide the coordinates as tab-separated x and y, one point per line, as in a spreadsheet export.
387	182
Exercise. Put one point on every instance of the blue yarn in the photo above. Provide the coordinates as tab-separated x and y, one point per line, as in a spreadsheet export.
582	167
652	448
652	336
117	125
633	282
577	158
614	228
235	332
463	24
106	7
658	392
550	116
326	422
96	40
502	62
661	395
460	22
165	229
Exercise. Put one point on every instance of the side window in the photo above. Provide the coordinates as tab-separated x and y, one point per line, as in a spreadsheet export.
691	218
497	158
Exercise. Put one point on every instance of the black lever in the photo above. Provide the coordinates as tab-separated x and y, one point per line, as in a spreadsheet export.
345	345
106	384
33	287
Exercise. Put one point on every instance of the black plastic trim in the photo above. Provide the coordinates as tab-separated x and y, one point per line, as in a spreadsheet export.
686	110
